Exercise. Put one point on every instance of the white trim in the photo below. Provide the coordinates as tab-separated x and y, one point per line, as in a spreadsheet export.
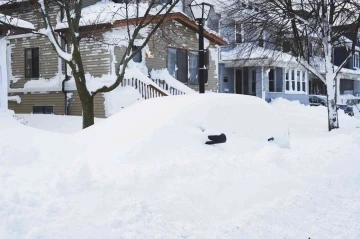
22	36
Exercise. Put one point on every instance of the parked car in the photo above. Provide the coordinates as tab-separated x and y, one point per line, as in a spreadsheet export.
347	109
317	100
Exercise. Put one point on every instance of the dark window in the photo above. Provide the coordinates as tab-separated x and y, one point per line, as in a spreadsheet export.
31	62
287	82
298	80
261	39
303	82
238	36
286	46
253	82
226	79
43	109
292	80
138	56
177	64
272	80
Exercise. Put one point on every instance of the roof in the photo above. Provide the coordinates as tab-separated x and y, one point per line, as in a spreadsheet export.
178	16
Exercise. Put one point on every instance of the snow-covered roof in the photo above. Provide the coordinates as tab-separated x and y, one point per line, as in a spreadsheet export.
15	22
109	12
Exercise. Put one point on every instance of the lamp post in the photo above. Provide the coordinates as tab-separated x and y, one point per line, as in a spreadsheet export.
200	11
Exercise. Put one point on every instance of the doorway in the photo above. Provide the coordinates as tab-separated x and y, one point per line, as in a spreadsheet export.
239	81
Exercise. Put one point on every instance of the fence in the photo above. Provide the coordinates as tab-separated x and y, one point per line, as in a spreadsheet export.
146	91
165	86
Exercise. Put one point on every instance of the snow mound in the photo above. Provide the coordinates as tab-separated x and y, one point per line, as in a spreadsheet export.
305	119
65	124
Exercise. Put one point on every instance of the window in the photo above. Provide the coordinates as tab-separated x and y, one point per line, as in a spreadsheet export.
292	80
193	67
43	109
356	60
303	81
183	65
298	83
271	80
138	56
286	46
238	33
287	80
261	39
31	62
177	64
225	79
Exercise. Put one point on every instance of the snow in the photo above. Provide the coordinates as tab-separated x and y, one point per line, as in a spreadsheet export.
120	98
107	11
3	75
54	123
171	81
145	172
16	22
15	98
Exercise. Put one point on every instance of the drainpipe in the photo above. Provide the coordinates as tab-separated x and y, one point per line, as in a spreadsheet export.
67	78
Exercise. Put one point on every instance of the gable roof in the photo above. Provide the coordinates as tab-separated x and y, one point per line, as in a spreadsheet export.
179	17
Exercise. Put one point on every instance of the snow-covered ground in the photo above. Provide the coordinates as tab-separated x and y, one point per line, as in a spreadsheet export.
146	173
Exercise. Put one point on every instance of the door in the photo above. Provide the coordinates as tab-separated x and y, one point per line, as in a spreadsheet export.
239	81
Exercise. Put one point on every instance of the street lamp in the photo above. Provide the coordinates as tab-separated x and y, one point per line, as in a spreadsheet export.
200	11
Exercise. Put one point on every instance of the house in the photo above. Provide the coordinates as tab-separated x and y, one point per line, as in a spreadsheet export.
41	82
254	63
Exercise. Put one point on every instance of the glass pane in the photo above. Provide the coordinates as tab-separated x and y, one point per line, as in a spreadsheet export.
193	67
38	110
48	109
171	61
28	54
138	56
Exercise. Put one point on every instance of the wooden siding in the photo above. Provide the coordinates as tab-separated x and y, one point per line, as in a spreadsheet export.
28	13
38	99
48	60
56	99
179	36
75	105
96	57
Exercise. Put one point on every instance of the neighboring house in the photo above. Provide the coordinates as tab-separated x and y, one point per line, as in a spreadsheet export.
37	76
252	64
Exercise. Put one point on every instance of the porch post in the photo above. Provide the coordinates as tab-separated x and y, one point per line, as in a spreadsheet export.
3	75
337	89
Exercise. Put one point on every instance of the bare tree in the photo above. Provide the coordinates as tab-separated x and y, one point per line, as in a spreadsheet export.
136	16
305	25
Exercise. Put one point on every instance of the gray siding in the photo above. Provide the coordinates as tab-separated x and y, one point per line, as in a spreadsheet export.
178	36
29	100
226	87
95	56
75	105
28	13
48	60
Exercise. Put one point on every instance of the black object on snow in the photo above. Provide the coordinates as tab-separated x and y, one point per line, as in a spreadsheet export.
271	139
216	139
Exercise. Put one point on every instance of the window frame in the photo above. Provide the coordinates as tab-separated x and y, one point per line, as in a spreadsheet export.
356	60
43	109
207	63
32	75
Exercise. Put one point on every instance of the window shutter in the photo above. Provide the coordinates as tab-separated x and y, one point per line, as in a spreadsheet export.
35	62
28	63
181	62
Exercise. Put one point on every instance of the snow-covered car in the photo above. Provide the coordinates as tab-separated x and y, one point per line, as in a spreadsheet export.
317	100
347	109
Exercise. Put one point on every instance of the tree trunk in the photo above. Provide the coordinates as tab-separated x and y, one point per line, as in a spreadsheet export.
88	111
